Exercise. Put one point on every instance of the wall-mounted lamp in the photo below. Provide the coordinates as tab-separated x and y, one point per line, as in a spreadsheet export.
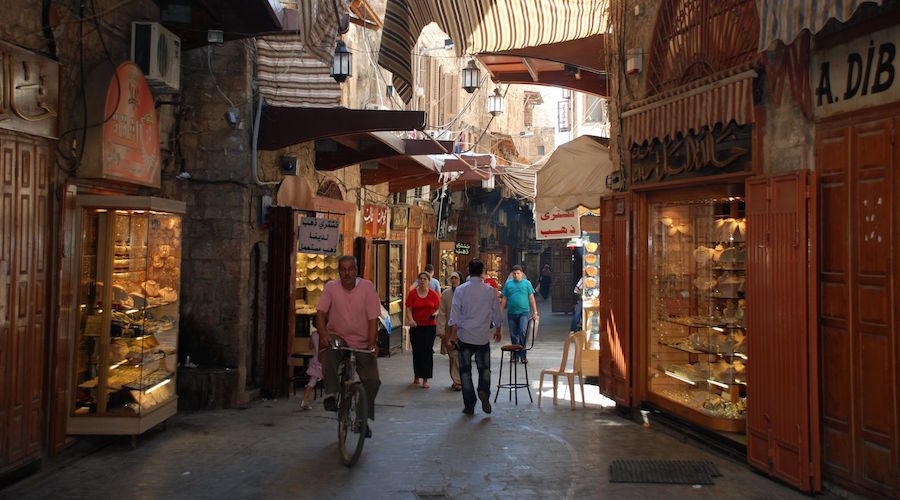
342	63
471	77
495	103
389	90
289	164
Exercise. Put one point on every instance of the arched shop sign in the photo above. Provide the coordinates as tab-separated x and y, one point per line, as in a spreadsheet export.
126	147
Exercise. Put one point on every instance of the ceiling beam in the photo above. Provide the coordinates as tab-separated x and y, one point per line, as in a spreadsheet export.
535	76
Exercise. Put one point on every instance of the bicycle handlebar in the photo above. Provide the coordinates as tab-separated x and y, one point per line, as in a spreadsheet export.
341	347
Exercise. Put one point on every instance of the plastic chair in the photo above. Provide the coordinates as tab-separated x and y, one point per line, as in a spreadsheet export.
513	384
577	340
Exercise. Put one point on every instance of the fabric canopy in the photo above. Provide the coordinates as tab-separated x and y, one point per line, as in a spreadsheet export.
483	26
575	174
784	19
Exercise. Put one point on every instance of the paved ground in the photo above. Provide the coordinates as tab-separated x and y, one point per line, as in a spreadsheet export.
423	447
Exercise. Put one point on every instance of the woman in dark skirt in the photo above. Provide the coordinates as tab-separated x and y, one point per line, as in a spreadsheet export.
422	304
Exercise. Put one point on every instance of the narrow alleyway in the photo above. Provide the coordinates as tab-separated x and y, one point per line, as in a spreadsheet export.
423	447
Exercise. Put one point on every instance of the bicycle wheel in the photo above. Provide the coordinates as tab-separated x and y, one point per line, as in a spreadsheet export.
352	421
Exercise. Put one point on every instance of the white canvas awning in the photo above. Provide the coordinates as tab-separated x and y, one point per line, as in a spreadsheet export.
575	174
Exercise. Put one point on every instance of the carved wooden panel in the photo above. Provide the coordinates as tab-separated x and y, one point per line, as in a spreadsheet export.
697	38
24	230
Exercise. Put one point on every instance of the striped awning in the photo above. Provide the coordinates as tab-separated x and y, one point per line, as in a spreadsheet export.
318	26
477	26
784	19
716	99
291	77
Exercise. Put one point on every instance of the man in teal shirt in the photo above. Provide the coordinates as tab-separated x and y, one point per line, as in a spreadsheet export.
518	300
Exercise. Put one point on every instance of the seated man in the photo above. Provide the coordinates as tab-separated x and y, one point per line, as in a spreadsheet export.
349	308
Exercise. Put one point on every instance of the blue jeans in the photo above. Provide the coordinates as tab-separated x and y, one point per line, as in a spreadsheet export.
482	355
518	324
576	317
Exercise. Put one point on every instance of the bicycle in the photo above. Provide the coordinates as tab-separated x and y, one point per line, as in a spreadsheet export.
352	405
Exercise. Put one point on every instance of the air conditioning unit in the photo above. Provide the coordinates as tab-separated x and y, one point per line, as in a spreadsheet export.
157	51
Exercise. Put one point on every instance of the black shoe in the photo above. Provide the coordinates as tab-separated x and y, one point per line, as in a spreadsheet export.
469	411
485	401
368	429
330	403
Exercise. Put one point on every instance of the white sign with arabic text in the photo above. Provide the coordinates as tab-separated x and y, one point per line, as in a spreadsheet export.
557	224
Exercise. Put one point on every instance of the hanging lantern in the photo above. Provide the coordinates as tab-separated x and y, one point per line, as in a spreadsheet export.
342	63
471	77
495	103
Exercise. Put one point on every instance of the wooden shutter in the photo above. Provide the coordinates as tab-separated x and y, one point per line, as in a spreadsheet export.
856	160
782	430
615	298
24	231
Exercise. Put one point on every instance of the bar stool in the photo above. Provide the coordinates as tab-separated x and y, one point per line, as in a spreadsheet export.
513	384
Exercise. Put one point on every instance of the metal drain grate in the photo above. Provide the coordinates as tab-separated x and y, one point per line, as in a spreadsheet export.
663	471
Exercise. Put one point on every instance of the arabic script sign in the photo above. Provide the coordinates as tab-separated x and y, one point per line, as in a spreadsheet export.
557	224
720	150
316	235
374	221
126	147
29	92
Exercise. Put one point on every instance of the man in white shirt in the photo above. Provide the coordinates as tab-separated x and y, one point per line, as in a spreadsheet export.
474	314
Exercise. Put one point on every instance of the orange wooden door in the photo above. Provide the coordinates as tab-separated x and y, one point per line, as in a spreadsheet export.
782	432
616	336
24	231
856	161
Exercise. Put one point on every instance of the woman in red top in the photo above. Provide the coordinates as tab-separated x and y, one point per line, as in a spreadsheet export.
422	304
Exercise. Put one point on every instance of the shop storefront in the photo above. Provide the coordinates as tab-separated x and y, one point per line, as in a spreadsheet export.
126	269
719	309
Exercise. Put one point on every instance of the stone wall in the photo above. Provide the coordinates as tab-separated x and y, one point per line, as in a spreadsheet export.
224	267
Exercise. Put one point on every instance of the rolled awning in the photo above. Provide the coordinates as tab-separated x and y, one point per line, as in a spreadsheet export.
483	26
784	19
719	98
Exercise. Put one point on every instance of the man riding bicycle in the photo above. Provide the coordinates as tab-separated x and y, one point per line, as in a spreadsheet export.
349	308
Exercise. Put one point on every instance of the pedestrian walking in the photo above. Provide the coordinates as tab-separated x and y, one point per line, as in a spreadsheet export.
474	313
422	305
443	330
518	302
544	286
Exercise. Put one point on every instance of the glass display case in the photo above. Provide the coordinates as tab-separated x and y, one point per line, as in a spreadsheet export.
388	257
698	343
128	311
590	289
447	263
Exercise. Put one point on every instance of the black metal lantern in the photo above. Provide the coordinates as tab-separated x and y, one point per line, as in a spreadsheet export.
342	63
495	103
389	90
471	77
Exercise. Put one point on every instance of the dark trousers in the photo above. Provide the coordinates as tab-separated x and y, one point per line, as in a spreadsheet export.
482	355
422	340
366	368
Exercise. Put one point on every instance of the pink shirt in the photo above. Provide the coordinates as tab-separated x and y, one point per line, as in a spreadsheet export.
349	311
